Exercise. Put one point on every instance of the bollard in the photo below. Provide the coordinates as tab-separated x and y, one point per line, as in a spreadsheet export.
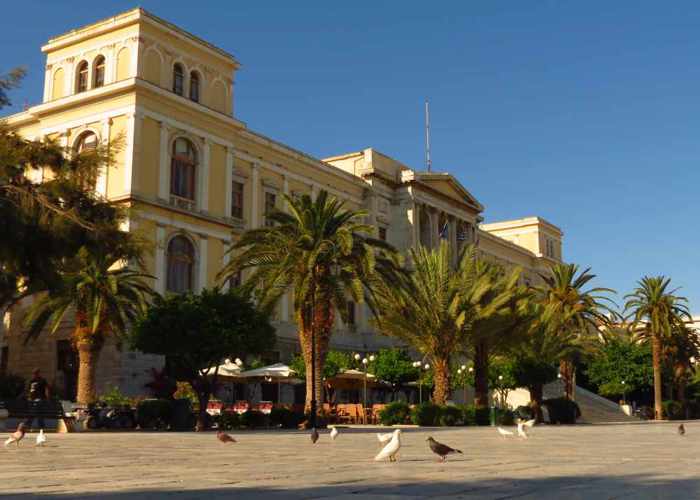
492	415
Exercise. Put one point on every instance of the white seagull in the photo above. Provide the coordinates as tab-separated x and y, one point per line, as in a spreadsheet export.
529	423
40	438
391	449
505	433
384	438
334	433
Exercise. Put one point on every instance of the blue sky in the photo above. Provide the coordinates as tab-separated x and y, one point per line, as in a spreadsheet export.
585	113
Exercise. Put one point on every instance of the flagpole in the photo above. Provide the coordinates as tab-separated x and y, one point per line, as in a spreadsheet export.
428	163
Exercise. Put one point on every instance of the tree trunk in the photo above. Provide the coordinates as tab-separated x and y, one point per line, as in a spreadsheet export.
481	375
88	346
566	369
441	377
536	402
656	356
202	415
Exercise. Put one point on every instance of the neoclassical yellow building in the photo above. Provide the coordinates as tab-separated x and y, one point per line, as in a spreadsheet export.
196	177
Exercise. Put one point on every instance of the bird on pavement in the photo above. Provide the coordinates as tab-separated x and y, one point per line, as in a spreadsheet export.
681	430
16	436
40	438
529	423
391	449
441	450
505	433
521	430
224	438
334	433
314	435
385	438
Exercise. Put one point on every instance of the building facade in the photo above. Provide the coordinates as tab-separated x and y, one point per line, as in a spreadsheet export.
195	177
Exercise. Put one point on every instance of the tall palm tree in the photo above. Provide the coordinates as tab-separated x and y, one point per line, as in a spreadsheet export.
432	306
655	309
570	308
105	298
682	349
320	251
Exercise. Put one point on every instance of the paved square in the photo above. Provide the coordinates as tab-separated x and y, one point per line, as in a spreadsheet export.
598	462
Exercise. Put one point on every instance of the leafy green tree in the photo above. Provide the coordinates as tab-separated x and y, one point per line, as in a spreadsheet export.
571	308
320	251
682	348
620	360
654	310
44	225
196	332
105	299
393	366
502	377
336	362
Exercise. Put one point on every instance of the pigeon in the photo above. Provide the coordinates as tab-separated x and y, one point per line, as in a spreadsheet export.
391	449
16	436
681	430
521	430
314	435
384	438
441	450
334	433
505	433
40	438
529	423
224	438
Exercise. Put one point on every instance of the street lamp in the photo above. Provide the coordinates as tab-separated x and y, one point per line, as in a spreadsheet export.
624	398
462	373
426	367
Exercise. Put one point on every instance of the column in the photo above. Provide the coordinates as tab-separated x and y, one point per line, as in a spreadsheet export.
285	190
229	180
48	81
415	220
135	53
453	238
254	191
163	170
160	259
101	184
202	268
111	65
204	175
434	222
133	139
68	77
225	260
314	191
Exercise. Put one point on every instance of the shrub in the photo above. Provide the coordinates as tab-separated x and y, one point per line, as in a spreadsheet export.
426	414
285	418
229	420
482	416
673	410
11	386
114	397
562	410
504	417
468	414
254	419
451	416
394	413
154	413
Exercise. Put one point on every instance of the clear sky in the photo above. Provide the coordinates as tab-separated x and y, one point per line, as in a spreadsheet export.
584	113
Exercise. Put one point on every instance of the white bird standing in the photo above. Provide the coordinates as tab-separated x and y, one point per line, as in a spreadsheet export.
334	433
505	433
391	449
40	438
529	423
385	438
521	430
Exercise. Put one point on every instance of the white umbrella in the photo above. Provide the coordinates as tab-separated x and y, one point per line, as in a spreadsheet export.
227	369
279	372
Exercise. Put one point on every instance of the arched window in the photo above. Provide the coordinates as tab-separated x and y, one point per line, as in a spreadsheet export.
180	265
86	144
183	169
98	78
194	86
178	79
81	77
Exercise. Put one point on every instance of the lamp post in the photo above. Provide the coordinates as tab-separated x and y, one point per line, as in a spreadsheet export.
624	398
426	367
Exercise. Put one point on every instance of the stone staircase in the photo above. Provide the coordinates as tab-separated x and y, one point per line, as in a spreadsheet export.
594	409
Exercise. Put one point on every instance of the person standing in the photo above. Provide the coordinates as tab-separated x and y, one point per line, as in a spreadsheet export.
38	394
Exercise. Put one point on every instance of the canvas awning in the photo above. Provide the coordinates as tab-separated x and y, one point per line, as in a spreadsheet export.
277	371
354	375
228	368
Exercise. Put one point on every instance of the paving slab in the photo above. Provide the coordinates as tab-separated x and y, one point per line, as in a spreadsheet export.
630	461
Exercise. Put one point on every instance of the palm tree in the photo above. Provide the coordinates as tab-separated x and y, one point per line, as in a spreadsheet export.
433	306
656	310
569	308
322	252
682	349
105	298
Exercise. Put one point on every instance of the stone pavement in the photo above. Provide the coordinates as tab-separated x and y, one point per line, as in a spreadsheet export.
588	461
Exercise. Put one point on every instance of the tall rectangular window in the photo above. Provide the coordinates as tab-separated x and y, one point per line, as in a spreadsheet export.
270	202
237	200
351	313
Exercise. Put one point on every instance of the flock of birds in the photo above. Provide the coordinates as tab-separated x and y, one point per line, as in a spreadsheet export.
391	441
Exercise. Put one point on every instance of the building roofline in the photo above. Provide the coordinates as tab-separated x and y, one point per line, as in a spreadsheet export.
127	18
523	222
